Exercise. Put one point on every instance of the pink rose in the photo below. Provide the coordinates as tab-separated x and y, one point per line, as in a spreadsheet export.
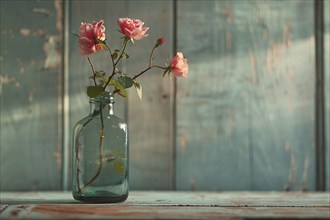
89	33
132	28
179	66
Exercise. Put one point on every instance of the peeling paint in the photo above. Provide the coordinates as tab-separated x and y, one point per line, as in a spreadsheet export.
253	64
58	157
43	11
30	94
59	15
7	31
6	80
287	33
183	142
30	97
21	70
25	32
304	180
228	11
53	58
265	34
289	73
40	32
50	47
292	171
274	56
229	40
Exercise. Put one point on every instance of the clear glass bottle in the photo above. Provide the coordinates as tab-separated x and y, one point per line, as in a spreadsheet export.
100	155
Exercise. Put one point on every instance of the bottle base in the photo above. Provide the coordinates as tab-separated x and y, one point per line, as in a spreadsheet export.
101	199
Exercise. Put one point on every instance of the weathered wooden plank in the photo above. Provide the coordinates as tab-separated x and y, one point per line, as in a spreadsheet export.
31	95
37	197
327	87
150	121
166	198
3	207
169	204
167	212
282	97
246	114
212	115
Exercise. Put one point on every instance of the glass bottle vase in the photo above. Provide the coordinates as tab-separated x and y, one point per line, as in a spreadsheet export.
100	155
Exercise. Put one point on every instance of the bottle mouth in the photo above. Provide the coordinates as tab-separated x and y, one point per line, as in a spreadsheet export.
103	98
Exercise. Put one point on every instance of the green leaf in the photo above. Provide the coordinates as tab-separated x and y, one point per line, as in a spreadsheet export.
94	91
112	82
119	167
166	71
122	90
119	153
125	81
119	71
125	55
99	74
138	88
114	55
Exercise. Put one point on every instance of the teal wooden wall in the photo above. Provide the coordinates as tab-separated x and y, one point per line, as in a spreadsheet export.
31	95
244	119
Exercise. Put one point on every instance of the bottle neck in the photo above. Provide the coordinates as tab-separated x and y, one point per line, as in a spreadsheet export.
106	105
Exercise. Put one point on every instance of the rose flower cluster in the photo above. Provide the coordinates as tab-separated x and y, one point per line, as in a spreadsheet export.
92	38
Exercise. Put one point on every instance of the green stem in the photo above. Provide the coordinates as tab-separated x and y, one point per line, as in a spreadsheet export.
123	50
101	114
150	64
115	63
136	76
150	58
100	161
150	67
78	171
90	63
100	154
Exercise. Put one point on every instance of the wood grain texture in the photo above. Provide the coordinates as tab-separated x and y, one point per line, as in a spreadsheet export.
327	88
170	205
212	115
167	212
245	116
201	198
30	94
282	101
150	119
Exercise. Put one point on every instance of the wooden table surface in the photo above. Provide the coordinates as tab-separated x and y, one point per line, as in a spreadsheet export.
169	205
